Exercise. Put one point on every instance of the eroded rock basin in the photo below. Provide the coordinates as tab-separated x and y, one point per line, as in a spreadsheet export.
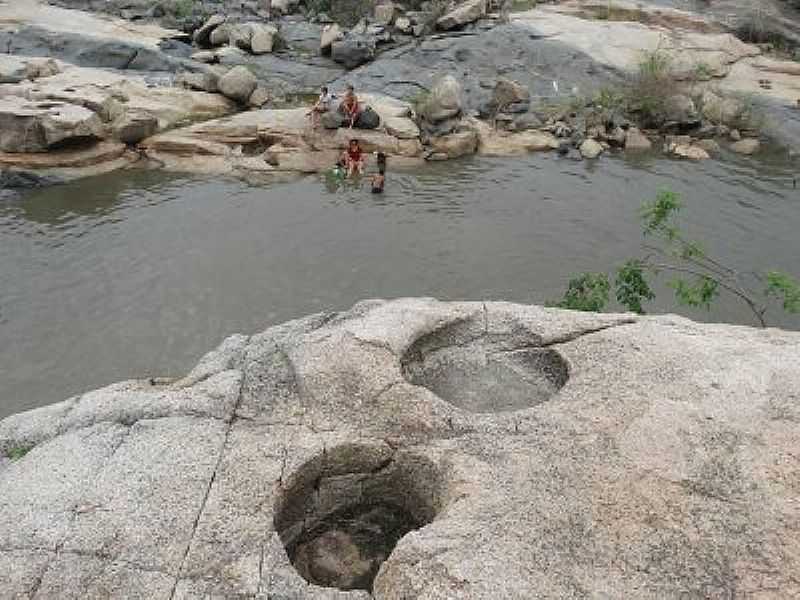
345	512
485	374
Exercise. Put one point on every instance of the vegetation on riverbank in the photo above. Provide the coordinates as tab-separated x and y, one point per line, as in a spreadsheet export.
18	452
699	277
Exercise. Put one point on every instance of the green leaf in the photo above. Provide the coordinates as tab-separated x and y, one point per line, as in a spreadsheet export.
657	216
699	293
587	292
632	287
691	250
786	288
17	452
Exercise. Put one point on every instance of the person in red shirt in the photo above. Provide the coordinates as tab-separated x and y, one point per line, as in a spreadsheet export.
354	158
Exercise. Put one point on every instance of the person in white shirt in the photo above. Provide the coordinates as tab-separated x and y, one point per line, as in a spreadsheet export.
323	105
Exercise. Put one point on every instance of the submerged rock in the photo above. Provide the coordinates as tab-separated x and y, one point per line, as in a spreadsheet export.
25	180
369	451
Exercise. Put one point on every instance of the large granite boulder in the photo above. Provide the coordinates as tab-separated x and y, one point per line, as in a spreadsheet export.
27	126
354	50
330	34
263	38
467	12
255	38
238	83
13	69
202	36
721	110
426	450
443	102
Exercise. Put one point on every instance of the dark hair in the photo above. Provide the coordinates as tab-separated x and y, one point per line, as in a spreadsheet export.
381	158
353	141
325	89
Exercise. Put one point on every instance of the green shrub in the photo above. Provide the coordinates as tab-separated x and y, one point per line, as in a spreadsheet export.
650	87
18	452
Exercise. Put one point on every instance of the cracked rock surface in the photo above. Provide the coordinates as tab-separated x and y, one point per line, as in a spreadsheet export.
510	451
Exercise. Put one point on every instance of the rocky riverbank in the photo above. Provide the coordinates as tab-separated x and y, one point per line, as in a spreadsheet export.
419	449
87	87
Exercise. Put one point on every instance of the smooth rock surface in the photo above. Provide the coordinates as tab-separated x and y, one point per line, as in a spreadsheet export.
39	126
611	456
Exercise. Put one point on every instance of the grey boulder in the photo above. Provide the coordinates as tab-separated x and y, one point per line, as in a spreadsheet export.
443	102
353	51
134	126
468	12
237	84
330	34
591	149
12	69
202	37
368	119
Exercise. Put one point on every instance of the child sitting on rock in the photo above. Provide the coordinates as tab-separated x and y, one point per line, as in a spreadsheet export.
349	106
323	105
354	158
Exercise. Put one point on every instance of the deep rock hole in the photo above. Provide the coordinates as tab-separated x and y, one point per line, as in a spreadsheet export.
485	373
342	514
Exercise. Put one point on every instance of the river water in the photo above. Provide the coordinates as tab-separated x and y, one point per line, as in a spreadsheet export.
140	273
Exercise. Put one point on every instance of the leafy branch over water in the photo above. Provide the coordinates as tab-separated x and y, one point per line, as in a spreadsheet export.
698	278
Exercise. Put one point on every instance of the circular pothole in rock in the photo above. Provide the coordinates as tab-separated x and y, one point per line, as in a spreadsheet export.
485	374
342	513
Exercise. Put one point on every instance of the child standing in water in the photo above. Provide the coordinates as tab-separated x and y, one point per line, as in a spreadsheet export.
379	179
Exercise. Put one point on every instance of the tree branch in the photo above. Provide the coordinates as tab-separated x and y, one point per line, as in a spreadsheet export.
757	310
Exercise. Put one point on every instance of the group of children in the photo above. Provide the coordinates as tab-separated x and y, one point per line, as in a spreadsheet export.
349	106
351	163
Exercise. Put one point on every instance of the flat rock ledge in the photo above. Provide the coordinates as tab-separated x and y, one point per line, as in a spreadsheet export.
422	449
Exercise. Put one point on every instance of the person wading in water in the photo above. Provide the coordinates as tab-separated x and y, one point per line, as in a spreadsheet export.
379	179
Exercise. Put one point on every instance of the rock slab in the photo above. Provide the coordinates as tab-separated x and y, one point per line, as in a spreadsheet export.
510	451
27	126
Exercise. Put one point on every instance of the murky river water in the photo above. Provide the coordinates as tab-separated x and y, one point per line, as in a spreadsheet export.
140	273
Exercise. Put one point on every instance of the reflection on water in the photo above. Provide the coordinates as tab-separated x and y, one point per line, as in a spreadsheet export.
139	273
